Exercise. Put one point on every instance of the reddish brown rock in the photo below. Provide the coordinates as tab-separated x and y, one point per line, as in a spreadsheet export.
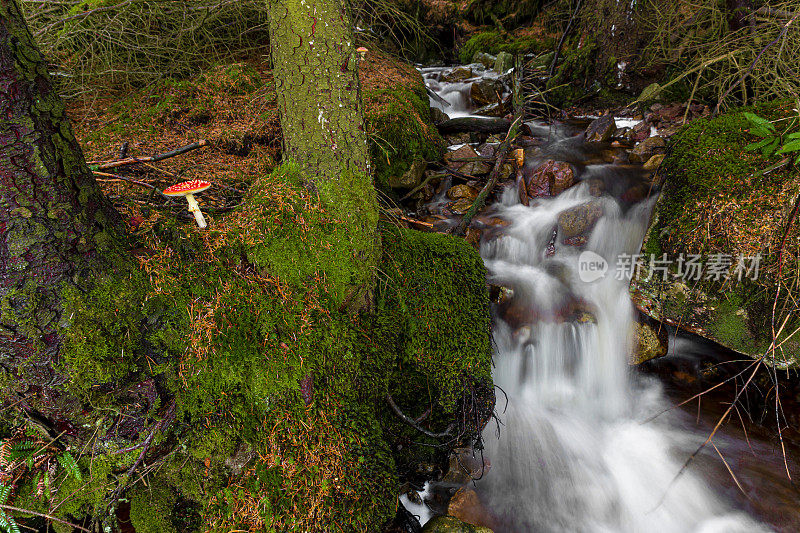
549	179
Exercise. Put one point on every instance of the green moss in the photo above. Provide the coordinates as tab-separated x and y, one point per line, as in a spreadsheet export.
280	390
400	131
432	310
493	42
151	508
574	80
712	182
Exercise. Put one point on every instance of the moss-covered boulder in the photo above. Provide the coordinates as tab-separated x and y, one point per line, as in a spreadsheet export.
720	221
523	41
432	312
398	120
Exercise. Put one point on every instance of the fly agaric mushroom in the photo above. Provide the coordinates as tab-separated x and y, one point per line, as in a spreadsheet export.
362	52
189	189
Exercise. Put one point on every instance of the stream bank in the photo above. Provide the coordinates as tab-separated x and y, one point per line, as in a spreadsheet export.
585	171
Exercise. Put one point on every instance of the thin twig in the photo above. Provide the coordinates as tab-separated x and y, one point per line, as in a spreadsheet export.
122	178
42	515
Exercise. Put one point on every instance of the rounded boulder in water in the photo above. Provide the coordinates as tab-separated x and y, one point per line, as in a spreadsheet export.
449	524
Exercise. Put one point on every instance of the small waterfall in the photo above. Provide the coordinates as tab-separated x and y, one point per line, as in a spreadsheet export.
574	453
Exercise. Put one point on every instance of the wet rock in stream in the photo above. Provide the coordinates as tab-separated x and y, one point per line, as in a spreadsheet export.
462	191
601	129
580	219
467	161
486	91
549	179
647	149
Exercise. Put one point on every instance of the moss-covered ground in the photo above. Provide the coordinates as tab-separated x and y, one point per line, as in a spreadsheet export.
256	391
720	198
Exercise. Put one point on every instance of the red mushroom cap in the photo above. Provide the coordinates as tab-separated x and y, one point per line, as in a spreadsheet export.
186	187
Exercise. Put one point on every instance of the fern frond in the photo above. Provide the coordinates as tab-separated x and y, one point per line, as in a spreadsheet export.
7	523
70	465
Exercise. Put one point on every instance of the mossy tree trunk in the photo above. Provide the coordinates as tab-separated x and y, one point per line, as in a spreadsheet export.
54	223
315	66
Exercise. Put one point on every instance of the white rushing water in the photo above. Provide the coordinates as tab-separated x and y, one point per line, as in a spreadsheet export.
575	453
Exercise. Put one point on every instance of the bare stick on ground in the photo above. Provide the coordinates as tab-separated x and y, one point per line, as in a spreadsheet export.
101	165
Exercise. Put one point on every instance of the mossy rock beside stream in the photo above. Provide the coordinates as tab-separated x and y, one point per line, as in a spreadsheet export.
718	202
398	120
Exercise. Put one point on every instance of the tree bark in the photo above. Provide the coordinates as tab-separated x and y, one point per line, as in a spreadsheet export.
54	222
315	66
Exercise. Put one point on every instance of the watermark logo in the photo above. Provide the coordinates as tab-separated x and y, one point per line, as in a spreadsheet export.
714	267
591	266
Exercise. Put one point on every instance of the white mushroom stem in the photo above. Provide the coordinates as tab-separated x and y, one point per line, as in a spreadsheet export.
195	209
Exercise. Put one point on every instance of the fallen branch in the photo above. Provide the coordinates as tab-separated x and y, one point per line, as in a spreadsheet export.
410	421
101	165
112	177
479	202
42	515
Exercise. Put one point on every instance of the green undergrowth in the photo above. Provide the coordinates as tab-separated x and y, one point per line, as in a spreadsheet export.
719	198
494	42
280	419
400	130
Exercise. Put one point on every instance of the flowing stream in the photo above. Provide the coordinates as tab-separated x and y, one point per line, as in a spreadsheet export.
575	451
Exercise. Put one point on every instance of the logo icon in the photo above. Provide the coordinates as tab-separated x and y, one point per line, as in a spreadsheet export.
591	266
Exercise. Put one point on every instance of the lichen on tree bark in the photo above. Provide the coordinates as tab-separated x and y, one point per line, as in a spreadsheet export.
54	223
